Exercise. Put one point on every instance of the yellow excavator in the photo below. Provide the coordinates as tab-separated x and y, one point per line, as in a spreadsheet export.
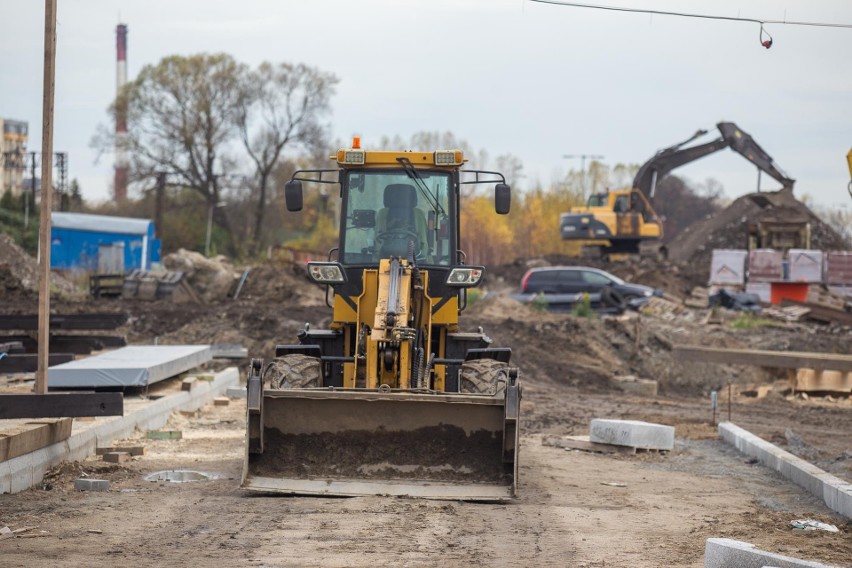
618	222
394	398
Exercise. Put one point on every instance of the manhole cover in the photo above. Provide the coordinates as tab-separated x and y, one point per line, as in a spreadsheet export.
180	476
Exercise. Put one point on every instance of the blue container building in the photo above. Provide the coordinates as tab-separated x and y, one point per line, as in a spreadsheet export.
102	243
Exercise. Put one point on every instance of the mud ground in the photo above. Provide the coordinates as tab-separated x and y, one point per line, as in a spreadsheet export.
660	511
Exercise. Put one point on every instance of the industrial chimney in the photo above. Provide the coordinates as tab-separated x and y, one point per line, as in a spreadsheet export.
121	161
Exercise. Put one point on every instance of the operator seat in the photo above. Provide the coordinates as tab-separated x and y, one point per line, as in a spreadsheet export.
401	214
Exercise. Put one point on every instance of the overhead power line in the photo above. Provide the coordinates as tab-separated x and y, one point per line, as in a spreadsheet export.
765	38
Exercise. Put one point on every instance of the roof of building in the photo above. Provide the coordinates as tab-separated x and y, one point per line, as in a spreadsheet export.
100	223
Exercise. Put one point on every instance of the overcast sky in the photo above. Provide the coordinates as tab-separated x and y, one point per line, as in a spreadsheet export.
538	81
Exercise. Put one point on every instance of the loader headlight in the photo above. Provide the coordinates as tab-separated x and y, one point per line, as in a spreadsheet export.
449	158
465	277
326	272
353	156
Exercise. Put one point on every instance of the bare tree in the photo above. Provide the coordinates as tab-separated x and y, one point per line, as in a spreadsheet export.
182	116
284	107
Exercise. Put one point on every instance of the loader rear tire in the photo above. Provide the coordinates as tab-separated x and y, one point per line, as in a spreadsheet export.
483	376
293	371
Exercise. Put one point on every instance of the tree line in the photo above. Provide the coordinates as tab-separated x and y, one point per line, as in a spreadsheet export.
210	136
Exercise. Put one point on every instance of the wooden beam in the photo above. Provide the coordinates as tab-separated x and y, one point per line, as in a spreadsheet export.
28	362
46	195
57	405
29	322
33	436
783	360
809	380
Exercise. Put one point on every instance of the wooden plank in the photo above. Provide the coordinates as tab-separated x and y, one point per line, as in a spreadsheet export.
779	359
822	313
57	405
132	450
116	457
583	443
28	362
810	380
33	436
164	434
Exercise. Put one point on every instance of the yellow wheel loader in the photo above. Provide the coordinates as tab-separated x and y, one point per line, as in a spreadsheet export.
394	398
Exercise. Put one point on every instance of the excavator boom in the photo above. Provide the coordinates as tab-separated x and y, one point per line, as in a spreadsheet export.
675	156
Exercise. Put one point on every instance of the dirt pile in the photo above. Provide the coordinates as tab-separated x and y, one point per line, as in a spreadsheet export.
19	274
285	283
728	230
212	278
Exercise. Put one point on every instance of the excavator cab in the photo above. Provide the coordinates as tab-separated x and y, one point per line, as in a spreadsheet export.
394	398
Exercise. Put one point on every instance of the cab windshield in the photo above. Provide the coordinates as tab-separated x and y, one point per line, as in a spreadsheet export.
390	214
597	200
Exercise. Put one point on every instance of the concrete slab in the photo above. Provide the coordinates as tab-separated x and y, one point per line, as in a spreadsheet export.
835	492
236	392
730	553
25	471
133	366
633	433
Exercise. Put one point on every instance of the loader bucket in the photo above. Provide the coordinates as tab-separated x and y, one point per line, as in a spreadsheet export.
356	442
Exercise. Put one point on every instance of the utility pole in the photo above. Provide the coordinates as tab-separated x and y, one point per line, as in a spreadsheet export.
159	198
46	195
582	158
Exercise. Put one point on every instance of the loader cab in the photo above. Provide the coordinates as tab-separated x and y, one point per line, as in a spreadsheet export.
389	214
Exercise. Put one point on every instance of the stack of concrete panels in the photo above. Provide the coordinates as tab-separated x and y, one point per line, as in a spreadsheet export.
806	265
727	267
838	272
134	366
765	265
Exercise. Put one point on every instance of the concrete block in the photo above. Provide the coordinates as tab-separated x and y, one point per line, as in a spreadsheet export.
236	392
188	383
634	385
116	457
730	553
91	485
632	433
221	401
835	492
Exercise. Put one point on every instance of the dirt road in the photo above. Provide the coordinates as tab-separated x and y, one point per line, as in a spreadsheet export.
566	515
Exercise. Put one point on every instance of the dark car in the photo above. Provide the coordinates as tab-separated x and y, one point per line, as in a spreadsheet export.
565	285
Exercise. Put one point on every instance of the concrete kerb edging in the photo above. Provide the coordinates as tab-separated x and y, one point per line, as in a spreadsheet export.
835	492
729	553
28	470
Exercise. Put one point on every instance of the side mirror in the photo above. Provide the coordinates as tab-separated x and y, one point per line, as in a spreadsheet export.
502	198
293	195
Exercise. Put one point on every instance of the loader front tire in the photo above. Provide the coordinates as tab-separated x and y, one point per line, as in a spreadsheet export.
483	376
293	371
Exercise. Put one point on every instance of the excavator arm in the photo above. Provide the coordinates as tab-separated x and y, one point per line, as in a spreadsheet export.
675	156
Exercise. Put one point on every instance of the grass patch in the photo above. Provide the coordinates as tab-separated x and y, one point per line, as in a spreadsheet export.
583	308
748	320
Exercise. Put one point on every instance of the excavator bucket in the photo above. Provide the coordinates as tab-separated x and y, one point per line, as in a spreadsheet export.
356	442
